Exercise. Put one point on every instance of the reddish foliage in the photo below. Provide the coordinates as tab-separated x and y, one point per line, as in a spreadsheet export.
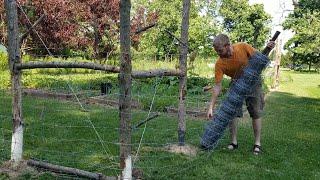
75	24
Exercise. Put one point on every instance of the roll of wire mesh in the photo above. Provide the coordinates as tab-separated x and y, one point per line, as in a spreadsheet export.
235	97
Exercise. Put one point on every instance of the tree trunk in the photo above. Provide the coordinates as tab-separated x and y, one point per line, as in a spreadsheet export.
14	57
255	37
97	40
310	64
183	69
125	90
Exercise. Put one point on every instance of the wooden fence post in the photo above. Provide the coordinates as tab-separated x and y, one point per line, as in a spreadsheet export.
183	69
14	58
125	91
277	64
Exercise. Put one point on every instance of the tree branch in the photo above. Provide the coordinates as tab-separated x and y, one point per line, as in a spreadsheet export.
31	28
145	28
67	170
146	120
176	38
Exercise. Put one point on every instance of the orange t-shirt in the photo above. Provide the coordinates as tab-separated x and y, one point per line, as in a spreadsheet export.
233	65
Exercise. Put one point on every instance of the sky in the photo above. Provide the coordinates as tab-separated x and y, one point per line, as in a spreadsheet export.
278	9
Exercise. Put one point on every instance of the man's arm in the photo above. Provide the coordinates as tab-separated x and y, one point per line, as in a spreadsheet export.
215	93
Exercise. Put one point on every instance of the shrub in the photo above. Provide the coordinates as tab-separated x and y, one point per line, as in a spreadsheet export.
3	61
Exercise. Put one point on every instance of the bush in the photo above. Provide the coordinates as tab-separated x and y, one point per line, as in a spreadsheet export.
3	61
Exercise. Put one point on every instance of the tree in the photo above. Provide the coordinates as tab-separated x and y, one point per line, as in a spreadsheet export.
244	22
3	30
159	42
305	44
90	26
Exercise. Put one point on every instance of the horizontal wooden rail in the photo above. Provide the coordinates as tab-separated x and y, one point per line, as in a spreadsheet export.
155	73
94	66
52	64
68	170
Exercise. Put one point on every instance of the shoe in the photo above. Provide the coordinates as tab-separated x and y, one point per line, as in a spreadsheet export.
256	149
232	146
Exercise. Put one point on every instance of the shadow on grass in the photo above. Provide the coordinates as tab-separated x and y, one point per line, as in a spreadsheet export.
290	142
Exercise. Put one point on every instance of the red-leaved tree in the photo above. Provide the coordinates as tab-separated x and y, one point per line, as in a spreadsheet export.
90	26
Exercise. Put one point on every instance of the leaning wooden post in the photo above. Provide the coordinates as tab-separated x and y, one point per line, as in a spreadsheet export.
183	69
125	91
14	57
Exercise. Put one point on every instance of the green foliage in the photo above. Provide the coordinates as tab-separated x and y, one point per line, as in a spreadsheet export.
195	85
245	23
3	61
286	59
4	176
158	42
304	45
5	79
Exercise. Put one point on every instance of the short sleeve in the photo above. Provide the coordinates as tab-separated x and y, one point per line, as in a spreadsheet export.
218	75
249	49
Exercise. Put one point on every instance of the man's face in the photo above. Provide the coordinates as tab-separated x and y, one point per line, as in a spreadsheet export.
224	51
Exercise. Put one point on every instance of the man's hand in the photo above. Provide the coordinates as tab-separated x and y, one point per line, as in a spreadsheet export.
271	44
215	93
210	114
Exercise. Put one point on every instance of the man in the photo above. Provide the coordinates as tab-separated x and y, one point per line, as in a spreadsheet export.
232	59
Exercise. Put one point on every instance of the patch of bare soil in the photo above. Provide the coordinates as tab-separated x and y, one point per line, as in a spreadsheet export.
14	171
188	150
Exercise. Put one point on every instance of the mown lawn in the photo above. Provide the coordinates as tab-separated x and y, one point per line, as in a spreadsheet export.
61	133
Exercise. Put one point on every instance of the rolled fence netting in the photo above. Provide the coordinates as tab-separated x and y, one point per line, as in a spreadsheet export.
234	100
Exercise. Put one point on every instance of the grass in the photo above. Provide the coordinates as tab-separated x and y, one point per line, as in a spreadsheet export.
61	133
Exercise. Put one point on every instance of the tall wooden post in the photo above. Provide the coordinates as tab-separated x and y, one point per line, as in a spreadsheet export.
14	57
183	68
277	64
125	91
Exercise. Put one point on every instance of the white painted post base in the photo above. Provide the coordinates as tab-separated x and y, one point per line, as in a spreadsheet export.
17	145
127	171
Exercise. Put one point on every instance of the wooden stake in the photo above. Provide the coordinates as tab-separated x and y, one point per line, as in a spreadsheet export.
183	69
125	83
277	64
14	57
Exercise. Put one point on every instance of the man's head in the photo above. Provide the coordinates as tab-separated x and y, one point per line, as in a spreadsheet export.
222	46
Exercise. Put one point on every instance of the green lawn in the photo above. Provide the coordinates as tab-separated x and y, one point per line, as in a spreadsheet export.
61	133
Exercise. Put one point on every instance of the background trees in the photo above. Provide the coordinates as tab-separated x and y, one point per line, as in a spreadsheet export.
91	28
304	46
202	25
244	22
